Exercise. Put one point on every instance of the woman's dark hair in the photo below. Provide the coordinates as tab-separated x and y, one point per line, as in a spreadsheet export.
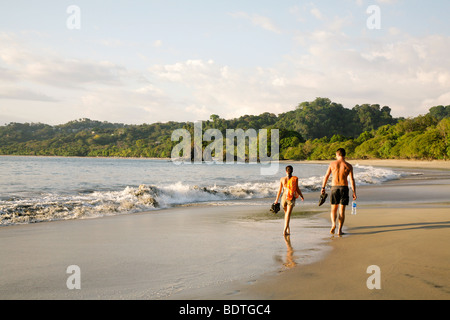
289	170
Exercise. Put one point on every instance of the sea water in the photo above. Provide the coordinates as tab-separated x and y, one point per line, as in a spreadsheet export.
35	189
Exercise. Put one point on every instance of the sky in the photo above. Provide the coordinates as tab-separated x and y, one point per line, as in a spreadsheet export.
147	61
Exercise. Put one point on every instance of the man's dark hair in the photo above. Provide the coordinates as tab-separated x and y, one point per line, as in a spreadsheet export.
341	152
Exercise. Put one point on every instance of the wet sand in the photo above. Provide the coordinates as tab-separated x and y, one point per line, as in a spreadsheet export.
153	255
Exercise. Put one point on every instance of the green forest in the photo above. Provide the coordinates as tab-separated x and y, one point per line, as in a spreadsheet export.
312	131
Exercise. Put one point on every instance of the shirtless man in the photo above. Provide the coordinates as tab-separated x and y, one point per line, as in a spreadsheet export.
341	170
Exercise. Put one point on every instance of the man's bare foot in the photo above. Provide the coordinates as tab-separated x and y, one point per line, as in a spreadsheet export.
340	233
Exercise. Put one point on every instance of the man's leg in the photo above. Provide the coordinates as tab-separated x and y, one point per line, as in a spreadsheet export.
341	218
344	202
334	208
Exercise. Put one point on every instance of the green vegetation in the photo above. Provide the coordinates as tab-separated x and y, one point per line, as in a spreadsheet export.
313	131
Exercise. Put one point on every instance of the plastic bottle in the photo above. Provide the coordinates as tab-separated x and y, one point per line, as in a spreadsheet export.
354	207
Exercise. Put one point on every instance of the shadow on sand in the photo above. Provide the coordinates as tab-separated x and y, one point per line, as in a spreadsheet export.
398	227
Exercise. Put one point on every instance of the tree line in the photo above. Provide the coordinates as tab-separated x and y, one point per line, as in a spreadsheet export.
312	131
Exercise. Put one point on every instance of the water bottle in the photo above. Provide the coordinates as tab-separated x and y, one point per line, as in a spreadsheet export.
354	207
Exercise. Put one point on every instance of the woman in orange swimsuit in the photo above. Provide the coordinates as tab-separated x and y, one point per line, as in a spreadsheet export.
291	193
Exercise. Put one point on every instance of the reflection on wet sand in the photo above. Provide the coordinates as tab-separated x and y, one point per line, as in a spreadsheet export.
290	261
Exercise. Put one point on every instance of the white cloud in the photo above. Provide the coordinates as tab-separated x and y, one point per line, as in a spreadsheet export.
399	73
24	94
48	68
158	43
79	87
143	105
230	92
297	12
7	75
258	20
113	43
316	13
443	100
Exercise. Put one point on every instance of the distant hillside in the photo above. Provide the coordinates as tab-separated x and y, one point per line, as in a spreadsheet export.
314	130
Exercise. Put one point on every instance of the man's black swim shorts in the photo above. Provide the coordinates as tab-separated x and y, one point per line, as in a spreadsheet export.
340	195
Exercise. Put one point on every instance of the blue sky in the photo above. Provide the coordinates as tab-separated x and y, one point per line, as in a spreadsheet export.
148	61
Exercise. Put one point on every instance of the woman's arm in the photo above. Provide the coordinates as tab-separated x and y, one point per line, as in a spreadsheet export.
279	191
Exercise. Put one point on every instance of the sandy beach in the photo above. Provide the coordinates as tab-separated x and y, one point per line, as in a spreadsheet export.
407	244
401	227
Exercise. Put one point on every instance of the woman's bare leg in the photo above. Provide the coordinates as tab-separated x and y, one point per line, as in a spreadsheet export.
287	218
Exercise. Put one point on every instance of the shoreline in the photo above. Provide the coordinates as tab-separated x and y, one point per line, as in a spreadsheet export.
393	163
81	157
392	229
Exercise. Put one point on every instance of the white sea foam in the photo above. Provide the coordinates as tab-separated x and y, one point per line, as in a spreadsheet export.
133	199
365	175
129	200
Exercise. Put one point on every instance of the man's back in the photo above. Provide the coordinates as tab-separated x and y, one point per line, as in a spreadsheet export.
340	170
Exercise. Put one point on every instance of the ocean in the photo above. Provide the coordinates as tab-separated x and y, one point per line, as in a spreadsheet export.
37	189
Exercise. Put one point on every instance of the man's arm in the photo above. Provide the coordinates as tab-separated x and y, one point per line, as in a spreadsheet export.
352	182
325	180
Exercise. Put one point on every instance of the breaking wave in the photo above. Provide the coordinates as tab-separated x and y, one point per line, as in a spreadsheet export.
91	204
52	207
